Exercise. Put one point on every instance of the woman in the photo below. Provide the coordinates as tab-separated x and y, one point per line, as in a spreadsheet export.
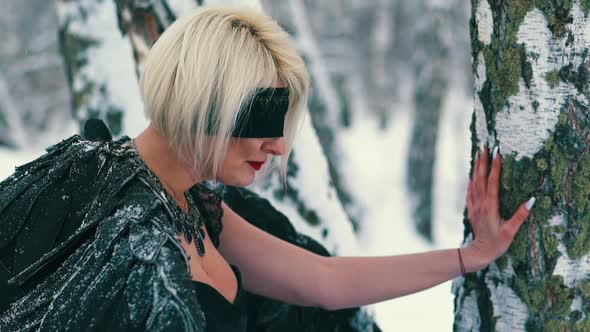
125	235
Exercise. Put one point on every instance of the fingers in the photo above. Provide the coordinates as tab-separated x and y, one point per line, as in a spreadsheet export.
475	165
513	225
482	172
480	176
470	201
494	180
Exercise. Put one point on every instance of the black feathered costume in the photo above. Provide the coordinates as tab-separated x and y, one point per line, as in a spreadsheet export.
88	238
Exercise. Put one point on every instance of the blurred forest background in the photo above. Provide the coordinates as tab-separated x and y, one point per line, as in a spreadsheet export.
380	169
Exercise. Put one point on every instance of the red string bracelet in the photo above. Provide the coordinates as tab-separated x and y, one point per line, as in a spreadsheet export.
461	262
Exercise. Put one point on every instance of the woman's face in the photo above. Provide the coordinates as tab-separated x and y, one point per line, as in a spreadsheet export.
245	157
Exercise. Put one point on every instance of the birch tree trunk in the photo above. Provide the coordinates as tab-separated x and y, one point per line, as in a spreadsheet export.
530	62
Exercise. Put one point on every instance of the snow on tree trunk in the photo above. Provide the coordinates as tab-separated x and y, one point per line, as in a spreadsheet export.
313	25
99	62
530	62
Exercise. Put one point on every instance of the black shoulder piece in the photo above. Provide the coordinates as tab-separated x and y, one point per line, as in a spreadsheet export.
97	130
50	205
131	276
112	261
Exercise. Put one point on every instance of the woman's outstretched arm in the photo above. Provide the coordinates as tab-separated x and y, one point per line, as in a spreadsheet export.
353	281
277	269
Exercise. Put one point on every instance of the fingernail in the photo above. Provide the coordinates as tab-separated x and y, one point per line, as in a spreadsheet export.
481	146
530	203
495	153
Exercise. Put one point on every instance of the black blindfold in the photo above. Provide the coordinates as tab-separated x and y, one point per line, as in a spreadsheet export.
264	115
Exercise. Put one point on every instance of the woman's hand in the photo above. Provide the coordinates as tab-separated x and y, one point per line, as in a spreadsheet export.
493	235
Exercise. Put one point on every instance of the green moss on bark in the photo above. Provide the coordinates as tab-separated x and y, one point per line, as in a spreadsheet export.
560	297
578	245
505	59
543	210
516	10
581	185
583	326
542	164
563	147
559	164
502	262
557	13
537	298
550	243
518	248
504	75
552	78
520	179
555	325
550	298
584	288
521	288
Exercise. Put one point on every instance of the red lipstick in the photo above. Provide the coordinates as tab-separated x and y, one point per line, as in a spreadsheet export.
256	165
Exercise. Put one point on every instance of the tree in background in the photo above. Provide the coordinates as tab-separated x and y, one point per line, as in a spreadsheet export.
368	58
429	67
530	62
33	91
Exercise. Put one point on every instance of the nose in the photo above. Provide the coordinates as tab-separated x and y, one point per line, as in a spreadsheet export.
275	146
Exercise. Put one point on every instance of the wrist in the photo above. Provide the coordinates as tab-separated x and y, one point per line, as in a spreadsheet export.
472	259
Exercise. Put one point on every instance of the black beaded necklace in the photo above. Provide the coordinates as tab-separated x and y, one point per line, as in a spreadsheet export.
190	224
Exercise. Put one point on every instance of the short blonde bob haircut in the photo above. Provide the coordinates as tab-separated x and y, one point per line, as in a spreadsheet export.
205	67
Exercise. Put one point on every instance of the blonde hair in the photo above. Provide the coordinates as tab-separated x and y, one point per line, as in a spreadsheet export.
205	67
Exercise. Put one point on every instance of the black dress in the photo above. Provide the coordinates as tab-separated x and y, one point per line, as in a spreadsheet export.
221	314
87	242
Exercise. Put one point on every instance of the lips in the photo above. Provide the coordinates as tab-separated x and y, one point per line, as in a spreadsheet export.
256	164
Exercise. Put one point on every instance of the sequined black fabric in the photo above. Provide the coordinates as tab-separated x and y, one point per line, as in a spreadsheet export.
87	238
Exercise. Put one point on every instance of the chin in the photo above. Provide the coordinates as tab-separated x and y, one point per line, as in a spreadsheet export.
246	181
238	181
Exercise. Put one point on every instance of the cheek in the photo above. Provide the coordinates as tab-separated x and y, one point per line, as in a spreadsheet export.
235	158
242	150
248	149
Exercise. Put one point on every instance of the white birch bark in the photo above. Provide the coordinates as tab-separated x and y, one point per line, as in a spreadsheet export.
543	282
